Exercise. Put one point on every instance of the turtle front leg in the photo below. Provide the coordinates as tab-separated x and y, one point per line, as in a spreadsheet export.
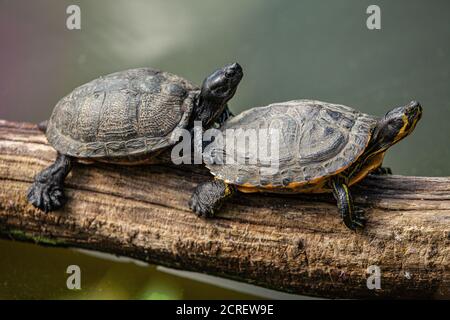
352	218
382	171
208	197
47	190
226	114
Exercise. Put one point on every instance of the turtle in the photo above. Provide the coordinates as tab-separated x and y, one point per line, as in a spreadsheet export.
127	117
322	147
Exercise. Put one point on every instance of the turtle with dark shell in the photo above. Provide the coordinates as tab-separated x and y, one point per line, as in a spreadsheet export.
322	147
127	117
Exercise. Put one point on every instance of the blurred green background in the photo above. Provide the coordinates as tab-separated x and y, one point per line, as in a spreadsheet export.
288	49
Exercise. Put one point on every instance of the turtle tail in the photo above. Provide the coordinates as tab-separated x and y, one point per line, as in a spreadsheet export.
42	126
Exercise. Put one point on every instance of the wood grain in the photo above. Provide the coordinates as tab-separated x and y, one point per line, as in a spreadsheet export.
292	243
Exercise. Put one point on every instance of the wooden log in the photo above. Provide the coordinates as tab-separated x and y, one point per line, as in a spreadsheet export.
292	243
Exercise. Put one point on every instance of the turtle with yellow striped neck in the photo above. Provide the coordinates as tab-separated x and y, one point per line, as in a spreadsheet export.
322	147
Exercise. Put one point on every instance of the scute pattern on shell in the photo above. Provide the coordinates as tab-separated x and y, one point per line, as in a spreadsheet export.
318	139
127	113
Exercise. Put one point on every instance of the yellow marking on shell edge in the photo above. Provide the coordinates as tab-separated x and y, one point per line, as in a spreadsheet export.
317	185
312	186
248	189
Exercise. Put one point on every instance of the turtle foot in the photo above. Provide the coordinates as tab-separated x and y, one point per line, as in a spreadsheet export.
201	205
208	197
46	196
358	220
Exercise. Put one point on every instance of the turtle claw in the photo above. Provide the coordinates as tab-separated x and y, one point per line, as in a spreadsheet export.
46	196
208	197
359	212
358	220
201	207
358	224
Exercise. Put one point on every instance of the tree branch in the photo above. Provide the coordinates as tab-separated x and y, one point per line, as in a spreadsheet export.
295	244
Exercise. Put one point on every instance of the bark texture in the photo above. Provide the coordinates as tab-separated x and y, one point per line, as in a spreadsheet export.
295	244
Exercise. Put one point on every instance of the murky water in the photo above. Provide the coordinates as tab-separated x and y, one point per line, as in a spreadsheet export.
289	49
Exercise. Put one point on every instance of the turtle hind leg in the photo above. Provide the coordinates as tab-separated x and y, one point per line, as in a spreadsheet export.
352	218
208	197
47	190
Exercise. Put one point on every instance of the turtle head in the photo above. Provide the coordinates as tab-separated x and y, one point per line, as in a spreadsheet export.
397	124
217	90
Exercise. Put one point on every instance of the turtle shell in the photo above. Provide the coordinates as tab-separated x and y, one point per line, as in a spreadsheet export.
315	140
123	114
